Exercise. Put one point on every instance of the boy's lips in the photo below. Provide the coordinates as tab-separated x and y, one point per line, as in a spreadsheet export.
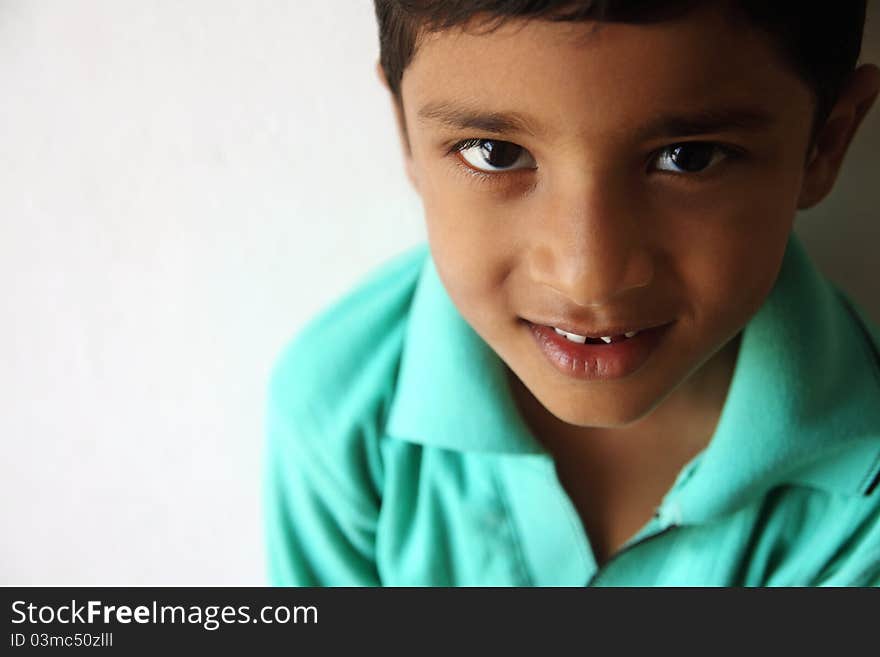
617	329
598	360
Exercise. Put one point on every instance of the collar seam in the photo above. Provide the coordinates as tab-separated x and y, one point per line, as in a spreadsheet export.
521	561
869	482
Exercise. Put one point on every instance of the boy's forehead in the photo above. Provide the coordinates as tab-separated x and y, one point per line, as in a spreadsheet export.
703	62
711	28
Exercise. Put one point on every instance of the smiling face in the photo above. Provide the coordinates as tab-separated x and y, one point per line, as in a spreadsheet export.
602	181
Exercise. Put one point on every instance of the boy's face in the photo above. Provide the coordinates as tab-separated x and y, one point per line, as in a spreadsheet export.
655	182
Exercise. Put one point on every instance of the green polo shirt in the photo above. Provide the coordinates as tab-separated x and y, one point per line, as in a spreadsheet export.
396	455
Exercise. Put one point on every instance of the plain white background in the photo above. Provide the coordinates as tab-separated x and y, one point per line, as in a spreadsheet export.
182	185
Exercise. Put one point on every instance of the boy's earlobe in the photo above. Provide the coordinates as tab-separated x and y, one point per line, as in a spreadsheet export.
835	136
824	161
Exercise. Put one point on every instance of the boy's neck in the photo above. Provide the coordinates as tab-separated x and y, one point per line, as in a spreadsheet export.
686	419
617	477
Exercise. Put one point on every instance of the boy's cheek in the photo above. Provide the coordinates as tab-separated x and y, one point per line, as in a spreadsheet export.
471	240
476	283
729	289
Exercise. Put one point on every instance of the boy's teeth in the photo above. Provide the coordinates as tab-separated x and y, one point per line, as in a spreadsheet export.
574	337
581	339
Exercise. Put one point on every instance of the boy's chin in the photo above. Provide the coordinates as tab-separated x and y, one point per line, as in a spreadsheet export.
611	410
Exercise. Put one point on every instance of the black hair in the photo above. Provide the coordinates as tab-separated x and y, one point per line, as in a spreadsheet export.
819	41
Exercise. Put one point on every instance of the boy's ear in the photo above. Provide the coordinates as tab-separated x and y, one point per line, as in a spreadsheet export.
833	140
401	128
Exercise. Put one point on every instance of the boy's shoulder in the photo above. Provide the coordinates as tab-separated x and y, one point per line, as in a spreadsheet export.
846	399
845	353
345	357
860	316
869	329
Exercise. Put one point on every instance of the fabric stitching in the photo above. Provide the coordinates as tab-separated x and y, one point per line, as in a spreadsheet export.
575	525
511	527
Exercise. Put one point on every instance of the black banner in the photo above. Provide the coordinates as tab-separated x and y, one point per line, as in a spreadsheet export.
242	620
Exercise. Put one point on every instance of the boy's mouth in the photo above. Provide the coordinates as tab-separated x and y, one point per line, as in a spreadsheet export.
603	339
605	354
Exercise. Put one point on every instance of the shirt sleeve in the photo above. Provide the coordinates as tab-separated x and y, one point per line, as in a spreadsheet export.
320	515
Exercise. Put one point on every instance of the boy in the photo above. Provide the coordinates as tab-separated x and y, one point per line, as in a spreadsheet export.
614	363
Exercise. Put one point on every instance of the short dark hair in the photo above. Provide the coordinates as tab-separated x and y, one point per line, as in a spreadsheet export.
820	41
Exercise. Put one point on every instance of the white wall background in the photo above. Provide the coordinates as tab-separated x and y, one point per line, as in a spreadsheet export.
182	185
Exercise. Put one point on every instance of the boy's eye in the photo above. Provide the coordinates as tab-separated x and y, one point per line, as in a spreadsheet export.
491	155
494	155
690	157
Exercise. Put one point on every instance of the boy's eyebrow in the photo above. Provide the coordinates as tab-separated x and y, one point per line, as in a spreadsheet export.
749	119
746	119
461	118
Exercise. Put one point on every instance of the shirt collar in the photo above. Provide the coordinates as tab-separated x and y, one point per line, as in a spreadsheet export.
803	401
452	388
802	405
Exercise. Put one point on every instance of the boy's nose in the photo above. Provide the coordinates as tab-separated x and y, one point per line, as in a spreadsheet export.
591	246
